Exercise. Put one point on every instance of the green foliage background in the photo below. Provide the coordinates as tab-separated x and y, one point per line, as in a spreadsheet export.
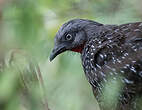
27	29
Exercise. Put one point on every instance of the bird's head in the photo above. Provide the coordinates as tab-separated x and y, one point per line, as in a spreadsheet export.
72	36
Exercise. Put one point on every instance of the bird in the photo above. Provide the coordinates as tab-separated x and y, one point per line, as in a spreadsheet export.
110	53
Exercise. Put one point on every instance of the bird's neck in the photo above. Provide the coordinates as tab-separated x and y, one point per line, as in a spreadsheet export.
91	29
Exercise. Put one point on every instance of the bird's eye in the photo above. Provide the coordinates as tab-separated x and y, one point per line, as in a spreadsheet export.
68	37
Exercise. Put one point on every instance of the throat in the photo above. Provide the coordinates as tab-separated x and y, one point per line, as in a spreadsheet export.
78	49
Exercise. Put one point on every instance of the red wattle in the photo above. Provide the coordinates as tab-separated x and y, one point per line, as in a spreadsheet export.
77	49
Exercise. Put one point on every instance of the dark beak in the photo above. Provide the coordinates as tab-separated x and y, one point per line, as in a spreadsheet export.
56	51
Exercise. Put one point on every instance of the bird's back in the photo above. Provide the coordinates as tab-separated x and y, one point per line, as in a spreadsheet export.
115	52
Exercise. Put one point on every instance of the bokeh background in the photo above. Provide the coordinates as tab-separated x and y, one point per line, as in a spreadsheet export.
28	81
